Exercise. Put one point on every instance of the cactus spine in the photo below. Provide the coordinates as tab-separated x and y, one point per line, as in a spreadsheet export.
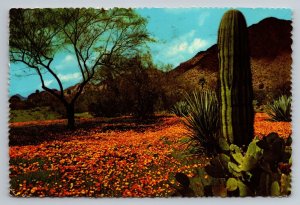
235	79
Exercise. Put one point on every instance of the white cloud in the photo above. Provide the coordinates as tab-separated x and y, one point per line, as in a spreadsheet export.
179	44
182	48
69	77
202	18
188	46
190	34
177	48
196	45
68	61
69	58
48	82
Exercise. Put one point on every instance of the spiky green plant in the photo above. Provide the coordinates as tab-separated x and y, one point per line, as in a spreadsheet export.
280	109
203	121
236	92
180	109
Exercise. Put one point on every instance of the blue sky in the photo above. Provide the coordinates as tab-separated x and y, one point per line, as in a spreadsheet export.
180	34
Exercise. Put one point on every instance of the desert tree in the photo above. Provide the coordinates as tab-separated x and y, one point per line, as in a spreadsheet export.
94	36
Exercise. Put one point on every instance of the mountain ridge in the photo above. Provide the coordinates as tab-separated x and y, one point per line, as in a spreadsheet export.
259	44
270	55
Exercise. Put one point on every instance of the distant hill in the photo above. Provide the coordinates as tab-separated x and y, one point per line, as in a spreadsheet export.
21	97
270	46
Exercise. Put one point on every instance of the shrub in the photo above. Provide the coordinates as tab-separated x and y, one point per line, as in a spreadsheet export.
135	89
280	109
106	106
180	109
203	121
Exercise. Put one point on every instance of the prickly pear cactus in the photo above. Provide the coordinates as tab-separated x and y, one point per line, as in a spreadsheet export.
236	90
262	170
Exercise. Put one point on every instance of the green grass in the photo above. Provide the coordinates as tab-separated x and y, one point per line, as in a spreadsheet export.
38	113
83	115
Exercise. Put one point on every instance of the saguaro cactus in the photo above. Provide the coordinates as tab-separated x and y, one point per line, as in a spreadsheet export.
235	79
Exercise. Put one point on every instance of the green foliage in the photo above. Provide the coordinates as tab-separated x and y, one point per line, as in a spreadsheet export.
83	115
203	121
263	170
180	109
237	115
132	90
280	109
231	184
38	113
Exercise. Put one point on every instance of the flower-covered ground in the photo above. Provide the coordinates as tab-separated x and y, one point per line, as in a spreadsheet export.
119	157
264	126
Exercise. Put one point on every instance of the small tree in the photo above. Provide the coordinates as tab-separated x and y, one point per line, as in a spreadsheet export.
128	87
144	92
93	36
202	82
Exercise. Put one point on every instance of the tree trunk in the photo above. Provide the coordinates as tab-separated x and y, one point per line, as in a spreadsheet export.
70	115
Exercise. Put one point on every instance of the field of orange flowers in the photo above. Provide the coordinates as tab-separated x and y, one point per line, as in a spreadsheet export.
109	158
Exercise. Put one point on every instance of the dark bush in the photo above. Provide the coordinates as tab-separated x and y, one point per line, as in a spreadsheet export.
15	103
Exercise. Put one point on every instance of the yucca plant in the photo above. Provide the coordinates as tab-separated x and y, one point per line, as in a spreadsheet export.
180	109
203	121
280	109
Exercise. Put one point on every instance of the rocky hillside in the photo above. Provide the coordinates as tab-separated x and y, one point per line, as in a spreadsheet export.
270	47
